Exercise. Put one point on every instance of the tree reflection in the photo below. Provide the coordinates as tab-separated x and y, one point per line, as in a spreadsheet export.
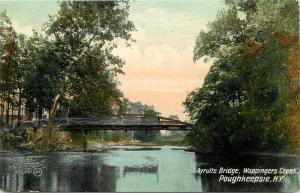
85	173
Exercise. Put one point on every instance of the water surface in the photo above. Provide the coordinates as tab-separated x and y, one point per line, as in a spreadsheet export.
123	169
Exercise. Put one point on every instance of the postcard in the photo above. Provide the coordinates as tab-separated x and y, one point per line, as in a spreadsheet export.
149	96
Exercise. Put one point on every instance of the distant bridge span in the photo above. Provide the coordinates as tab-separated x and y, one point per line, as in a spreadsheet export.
124	122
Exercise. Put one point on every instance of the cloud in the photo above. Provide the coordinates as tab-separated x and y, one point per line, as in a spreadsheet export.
166	25
160	74
27	30
154	10
159	68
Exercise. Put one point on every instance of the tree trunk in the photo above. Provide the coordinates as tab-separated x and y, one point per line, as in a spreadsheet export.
40	116
1	110
7	112
19	109
12	113
51	119
53	109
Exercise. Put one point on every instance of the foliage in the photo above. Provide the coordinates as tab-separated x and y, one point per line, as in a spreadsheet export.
8	64
78	140
73	59
29	72
106	136
10	141
43	77
170	140
149	117
85	34
252	87
40	140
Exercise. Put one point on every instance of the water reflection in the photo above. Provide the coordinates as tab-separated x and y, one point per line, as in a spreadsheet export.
64	172
131	169
145	169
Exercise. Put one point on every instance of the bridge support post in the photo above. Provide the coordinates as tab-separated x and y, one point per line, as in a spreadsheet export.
132	137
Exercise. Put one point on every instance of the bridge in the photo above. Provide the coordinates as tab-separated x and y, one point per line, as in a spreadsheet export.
113	122
124	122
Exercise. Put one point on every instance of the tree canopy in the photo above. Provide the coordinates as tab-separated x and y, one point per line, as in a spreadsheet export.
85	34
72	57
149	117
250	96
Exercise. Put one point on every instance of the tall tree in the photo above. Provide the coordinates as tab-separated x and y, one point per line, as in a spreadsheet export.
43	76
85	34
8	65
248	92
20	75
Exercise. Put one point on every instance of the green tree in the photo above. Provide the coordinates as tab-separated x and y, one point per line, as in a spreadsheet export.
20	75
85	34
150	116
43	76
8	65
246	94
135	108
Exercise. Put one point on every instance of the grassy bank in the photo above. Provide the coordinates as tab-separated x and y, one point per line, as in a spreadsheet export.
176	141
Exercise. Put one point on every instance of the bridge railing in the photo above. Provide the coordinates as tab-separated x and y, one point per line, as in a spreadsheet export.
111	121
126	120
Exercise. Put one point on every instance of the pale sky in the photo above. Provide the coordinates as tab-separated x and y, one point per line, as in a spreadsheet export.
159	70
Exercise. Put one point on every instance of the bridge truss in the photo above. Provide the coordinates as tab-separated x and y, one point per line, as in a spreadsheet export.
124	122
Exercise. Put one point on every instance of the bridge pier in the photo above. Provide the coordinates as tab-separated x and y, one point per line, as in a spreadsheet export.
131	137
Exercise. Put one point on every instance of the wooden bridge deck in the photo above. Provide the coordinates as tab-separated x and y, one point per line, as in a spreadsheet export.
127	122
123	127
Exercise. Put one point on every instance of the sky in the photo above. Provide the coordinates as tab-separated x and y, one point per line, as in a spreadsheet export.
159	69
